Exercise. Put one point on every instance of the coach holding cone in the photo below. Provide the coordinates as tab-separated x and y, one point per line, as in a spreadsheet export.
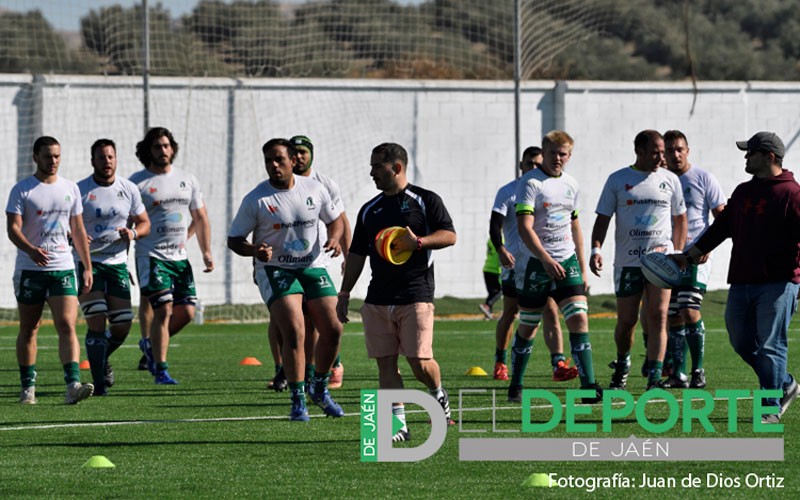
762	219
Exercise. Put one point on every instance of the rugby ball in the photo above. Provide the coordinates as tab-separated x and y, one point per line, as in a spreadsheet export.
383	245
660	270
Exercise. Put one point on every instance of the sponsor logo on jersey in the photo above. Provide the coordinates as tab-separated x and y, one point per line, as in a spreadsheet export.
298	223
646	220
647	201
92	197
272	209
296	245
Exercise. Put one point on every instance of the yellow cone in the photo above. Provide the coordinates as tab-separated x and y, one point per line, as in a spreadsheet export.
98	462
476	371
538	479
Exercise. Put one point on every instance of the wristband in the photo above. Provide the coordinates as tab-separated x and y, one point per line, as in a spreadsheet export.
419	244
135	234
595	251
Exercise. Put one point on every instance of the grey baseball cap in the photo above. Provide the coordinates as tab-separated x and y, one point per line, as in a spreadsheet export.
764	141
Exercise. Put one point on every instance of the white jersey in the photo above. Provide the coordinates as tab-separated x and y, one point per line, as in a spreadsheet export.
702	193
504	203
336	198
168	199
644	203
554	203
46	210
105	210
287	220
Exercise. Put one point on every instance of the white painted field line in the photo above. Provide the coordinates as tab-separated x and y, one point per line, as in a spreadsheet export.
276	417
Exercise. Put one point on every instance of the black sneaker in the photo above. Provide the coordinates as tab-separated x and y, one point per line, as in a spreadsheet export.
279	383
789	395
676	381
401	435
444	400
109	376
698	379
619	380
515	394
598	394
658	384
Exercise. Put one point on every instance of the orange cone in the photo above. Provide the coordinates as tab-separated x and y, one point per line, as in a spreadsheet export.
84	364
251	361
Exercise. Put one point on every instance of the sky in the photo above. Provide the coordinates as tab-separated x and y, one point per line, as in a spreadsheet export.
66	14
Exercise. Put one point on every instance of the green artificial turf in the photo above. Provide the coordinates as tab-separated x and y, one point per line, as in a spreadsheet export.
221	433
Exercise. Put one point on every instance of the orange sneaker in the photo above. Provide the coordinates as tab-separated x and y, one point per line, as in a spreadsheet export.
563	372
337	374
500	371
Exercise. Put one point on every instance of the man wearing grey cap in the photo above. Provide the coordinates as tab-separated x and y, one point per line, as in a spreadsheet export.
762	218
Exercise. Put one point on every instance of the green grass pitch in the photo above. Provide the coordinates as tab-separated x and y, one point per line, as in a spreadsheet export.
221	434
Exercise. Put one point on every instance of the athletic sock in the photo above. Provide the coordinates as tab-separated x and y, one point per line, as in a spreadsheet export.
398	418
320	381
520	354
655	369
337	362
624	362
162	366
677	341
113	344
96	349
278	368
500	356
695	338
72	372
555	358
27	376
581	350
309	373
297	390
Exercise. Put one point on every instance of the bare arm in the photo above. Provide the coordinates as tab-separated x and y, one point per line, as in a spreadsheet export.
14	230
441	238
680	225
203	230
81	244
354	264
240	246
496	234
599	232
347	235
335	234
139	227
531	240
577	238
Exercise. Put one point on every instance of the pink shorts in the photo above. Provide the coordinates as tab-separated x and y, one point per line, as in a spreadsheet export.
404	329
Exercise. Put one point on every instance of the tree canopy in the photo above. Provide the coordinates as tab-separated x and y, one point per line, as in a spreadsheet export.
455	39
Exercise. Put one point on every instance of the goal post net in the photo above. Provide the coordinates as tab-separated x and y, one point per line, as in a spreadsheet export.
74	69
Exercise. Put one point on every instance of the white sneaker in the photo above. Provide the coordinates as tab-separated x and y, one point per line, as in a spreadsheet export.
28	396
78	392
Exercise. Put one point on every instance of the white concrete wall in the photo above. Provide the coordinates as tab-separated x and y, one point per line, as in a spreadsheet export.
460	137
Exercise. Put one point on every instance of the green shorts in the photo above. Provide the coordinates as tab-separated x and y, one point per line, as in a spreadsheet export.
111	279
275	282
628	281
33	287
156	275
534	285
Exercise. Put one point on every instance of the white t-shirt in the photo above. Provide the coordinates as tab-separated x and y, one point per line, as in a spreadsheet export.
504	203
168	199
644	203
702	193
336	198
46	210
287	220
553	200
107	208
